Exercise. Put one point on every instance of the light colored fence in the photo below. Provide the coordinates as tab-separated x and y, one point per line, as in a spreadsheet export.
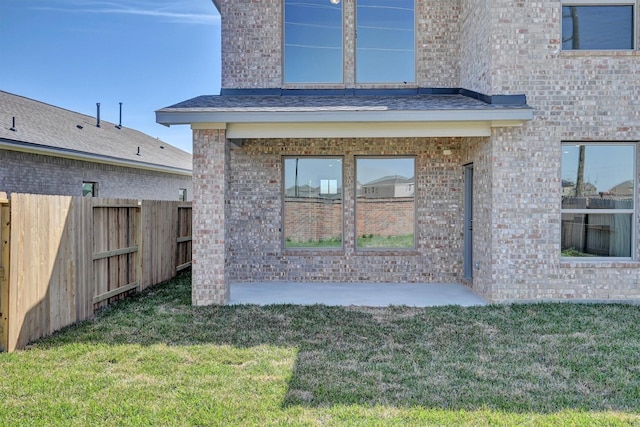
64	257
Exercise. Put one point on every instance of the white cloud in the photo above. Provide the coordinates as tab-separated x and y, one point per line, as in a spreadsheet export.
172	11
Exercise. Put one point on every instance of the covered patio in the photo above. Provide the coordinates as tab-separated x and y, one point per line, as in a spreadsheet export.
360	294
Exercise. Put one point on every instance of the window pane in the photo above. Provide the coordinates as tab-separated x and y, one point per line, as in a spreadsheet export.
601	235
597	27
385	41
313	41
385	209
597	176
88	189
312	202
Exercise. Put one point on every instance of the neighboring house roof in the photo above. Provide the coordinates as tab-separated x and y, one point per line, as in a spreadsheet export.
46	129
625	188
277	113
389	180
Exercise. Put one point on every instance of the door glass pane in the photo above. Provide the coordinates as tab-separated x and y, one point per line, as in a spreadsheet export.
385	41
600	235
312	202
597	27
312	41
597	176
385	202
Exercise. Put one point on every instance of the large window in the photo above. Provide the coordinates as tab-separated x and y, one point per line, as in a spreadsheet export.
312	41
385	202
598	194
312	202
598	25
385	49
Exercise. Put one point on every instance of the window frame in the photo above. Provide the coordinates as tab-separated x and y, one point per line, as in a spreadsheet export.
355	207
632	212
182	194
355	50
633	3
283	188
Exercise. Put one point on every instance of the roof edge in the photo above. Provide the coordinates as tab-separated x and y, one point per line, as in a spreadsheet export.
24	147
512	100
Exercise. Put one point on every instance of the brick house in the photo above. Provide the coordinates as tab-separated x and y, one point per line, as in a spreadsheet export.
519	122
45	149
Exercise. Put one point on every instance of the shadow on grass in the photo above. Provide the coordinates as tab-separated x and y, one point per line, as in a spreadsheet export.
540	358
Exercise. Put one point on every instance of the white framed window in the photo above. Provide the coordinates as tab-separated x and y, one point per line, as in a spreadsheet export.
313	41
312	202
182	194
598	200
599	25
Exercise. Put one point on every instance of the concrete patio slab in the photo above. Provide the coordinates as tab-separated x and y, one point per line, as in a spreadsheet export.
362	294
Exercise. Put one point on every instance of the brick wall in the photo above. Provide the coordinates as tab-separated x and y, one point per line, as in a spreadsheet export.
316	219
210	265
385	217
312	219
254	221
577	96
37	174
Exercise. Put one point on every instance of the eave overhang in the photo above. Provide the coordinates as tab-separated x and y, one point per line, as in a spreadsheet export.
243	117
24	147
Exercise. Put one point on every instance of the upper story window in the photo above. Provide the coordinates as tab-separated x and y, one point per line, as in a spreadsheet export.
598	25
385	41
313	41
598	200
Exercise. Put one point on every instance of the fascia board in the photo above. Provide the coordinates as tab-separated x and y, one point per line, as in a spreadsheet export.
176	117
88	157
240	131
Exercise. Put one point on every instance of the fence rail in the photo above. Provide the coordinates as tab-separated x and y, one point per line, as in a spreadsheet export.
64	257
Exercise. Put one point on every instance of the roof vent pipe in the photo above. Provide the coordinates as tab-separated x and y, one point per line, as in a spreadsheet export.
120	122
98	108
13	126
138	153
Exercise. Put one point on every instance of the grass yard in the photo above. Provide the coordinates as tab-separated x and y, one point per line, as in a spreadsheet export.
373	241
155	360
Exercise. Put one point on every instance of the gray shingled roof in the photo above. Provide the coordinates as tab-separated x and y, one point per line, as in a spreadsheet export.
44	126
229	103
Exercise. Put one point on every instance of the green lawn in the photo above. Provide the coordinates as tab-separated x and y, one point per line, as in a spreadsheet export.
372	241
155	360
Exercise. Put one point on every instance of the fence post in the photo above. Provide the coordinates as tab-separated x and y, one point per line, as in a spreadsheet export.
5	233
140	237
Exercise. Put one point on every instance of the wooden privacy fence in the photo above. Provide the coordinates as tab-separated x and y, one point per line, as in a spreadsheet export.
64	257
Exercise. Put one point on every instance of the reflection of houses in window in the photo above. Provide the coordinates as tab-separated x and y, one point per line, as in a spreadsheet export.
624	189
388	186
328	191
619	196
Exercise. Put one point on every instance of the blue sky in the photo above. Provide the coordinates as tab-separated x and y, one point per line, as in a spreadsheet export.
147	54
